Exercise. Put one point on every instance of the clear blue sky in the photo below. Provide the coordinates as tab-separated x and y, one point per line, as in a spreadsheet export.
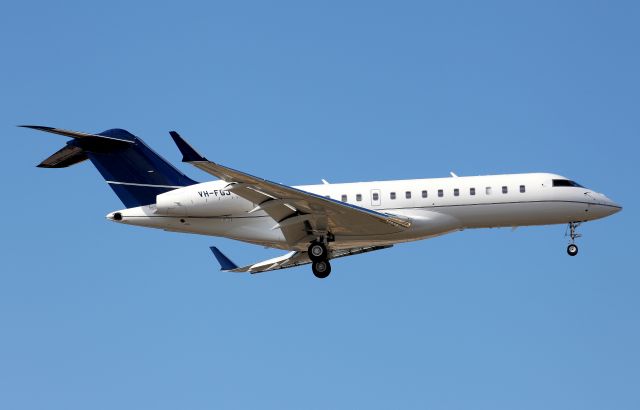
99	315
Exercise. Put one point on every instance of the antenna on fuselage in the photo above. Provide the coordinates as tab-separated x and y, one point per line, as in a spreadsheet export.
453	174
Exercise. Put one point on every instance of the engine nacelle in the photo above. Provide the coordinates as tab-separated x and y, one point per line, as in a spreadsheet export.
205	199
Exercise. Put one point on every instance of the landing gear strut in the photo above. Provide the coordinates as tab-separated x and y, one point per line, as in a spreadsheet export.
572	249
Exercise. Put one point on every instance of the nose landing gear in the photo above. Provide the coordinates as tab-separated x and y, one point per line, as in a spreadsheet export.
572	249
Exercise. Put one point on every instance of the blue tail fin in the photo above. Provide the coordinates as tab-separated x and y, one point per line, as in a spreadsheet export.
134	171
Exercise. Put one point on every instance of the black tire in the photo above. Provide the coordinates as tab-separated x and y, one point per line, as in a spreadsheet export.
321	269
572	250
317	252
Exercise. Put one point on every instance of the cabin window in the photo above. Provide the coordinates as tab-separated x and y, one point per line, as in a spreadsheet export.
456	192
375	196
424	194
566	182
392	195
328	196
487	190
344	198
472	191
407	194
522	189
358	197
440	193
505	190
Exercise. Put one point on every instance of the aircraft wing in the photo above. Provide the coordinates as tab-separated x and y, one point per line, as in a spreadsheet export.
289	260
299	214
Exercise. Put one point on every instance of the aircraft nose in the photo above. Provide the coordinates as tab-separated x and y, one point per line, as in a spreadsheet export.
614	206
601	205
617	206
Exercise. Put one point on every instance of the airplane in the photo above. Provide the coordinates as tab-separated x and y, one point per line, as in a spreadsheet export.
317	223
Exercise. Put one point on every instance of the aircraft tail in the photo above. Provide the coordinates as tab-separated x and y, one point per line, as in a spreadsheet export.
134	171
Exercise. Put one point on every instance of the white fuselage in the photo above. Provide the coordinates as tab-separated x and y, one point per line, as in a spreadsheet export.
435	207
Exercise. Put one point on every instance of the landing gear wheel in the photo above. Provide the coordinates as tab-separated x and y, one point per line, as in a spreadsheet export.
317	252
321	269
572	249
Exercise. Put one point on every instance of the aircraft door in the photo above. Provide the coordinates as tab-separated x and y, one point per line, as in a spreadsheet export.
375	197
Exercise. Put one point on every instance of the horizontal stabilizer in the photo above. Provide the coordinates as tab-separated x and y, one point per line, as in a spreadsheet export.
73	134
65	157
225	263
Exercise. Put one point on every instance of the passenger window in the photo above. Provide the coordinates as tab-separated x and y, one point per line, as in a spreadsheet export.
456	192
376	196
522	189
488	190
407	194
344	198
504	190
424	194
327	196
392	195
358	197
440	193
472	191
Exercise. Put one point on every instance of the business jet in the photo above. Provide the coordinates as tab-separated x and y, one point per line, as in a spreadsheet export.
317	223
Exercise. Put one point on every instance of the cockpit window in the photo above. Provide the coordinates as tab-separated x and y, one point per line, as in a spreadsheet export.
566	182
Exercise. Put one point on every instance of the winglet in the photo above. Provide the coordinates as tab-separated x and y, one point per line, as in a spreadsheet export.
188	153
225	263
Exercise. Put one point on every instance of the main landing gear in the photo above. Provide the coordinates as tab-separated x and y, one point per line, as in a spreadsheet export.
317	251
321	269
319	259
572	249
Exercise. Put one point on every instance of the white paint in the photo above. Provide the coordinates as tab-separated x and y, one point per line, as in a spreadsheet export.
223	213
